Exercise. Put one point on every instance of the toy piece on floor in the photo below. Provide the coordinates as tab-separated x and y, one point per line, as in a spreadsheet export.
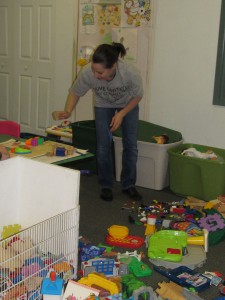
108	252
101	281
212	222
119	236
75	290
109	267
167	245
186	277
136	267
171	245
171	290
52	287
150	226
215	277
90	251
130	284
128	254
190	228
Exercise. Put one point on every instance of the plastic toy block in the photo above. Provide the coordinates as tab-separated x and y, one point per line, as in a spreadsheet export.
60	151
212	222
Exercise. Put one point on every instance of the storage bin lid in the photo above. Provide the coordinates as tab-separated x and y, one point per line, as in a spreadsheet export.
147	130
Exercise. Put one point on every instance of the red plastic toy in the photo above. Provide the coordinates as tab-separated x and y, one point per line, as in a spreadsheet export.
129	241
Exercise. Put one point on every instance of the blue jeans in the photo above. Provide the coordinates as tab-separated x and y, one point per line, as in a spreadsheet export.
129	126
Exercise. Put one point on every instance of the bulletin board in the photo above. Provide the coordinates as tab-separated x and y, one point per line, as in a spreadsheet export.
107	21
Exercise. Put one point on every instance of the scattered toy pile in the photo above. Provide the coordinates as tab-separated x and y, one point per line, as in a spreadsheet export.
177	238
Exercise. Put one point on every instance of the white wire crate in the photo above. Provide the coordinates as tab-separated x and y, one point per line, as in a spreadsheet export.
44	200
51	244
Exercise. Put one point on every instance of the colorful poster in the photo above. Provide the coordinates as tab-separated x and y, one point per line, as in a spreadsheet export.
87	18
128	37
135	13
109	15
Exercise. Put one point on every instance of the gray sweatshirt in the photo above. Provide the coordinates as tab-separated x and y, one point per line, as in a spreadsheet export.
125	86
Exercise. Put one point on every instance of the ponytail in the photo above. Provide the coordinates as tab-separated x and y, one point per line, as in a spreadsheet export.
120	49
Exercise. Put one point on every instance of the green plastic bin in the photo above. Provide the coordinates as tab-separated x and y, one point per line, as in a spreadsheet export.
84	137
147	130
197	177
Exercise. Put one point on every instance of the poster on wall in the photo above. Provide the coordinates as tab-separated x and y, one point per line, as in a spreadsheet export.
87	14
109	16
135	13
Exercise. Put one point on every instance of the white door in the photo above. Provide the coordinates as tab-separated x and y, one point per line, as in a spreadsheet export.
34	70
6	58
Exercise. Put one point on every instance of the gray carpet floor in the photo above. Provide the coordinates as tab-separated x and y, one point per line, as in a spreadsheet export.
96	216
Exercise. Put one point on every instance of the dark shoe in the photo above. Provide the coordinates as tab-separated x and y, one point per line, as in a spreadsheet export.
106	194
133	194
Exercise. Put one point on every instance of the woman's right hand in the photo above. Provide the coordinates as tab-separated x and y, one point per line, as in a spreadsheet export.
60	115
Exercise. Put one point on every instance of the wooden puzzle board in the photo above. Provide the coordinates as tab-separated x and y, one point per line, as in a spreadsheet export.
38	150
59	132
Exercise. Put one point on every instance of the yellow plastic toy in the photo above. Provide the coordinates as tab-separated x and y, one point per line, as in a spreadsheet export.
150	226
118	232
10	230
101	281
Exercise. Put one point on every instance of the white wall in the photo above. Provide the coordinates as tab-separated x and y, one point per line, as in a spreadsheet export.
183	70
64	51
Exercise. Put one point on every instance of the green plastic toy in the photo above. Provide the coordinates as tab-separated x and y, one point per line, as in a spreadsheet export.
169	245
20	150
136	267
